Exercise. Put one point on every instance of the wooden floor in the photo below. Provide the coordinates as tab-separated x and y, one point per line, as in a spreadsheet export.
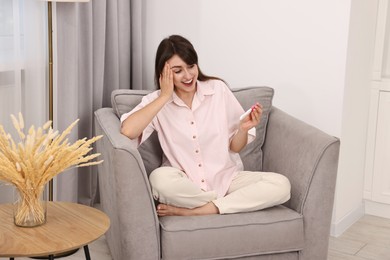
369	238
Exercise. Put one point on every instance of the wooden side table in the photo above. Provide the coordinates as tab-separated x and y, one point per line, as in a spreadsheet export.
69	226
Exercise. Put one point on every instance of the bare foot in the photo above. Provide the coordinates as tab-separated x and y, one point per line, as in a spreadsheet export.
169	210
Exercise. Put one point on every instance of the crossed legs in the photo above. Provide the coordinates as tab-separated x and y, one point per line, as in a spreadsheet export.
249	191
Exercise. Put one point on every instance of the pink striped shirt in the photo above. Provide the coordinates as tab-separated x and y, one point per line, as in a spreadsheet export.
197	140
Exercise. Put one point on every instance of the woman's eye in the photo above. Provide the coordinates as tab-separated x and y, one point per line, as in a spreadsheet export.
177	71
191	66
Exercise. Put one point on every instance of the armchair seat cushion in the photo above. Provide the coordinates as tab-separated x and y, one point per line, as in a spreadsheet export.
275	230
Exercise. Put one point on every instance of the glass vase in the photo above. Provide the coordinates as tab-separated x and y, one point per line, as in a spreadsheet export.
30	206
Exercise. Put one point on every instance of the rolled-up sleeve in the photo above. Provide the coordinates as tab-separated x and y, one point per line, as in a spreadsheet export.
150	128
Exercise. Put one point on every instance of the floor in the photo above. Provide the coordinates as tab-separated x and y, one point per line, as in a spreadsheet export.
98	251
369	238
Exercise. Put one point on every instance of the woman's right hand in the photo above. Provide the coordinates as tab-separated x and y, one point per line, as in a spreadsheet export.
166	81
135	124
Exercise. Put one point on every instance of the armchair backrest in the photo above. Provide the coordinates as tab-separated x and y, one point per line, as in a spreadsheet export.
124	100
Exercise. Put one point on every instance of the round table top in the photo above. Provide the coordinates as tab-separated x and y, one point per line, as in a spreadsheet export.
68	226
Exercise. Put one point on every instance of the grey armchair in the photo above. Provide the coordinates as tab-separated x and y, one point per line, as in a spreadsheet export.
299	229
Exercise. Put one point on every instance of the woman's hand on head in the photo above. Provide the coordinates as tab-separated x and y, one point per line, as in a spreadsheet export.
253	119
166	81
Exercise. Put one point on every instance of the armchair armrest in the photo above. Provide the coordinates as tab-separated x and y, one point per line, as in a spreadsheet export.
125	193
309	158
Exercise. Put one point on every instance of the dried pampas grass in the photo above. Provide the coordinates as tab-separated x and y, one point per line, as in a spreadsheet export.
40	155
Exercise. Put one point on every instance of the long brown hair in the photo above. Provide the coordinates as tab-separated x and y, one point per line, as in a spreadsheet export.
176	44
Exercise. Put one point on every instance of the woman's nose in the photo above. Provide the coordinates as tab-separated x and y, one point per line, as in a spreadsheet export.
187	74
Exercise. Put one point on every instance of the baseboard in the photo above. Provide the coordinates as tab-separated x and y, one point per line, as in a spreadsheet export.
377	209
337	229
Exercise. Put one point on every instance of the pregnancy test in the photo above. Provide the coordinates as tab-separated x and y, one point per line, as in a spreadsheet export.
246	113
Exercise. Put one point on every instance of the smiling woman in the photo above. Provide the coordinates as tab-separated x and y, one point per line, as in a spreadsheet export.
184	78
197	120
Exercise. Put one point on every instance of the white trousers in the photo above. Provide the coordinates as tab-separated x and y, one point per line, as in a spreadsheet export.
249	191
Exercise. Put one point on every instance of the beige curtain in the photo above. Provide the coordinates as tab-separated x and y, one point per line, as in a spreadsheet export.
98	50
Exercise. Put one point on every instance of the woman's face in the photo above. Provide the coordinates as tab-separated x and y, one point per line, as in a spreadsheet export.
184	75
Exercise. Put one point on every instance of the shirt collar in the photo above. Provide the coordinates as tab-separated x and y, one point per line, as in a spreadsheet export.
203	88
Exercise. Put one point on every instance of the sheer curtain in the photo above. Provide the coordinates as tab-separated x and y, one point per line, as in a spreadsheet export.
98	50
23	66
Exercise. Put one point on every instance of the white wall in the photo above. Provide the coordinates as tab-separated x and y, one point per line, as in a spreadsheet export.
349	191
297	47
300	48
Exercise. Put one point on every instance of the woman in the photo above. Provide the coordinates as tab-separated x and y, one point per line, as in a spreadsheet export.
197	119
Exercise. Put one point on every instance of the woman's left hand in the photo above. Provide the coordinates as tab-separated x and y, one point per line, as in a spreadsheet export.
240	139
253	119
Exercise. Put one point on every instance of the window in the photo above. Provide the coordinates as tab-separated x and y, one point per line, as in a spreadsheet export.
23	65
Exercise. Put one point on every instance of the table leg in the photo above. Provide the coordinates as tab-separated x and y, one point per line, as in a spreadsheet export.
86	251
51	257
11	258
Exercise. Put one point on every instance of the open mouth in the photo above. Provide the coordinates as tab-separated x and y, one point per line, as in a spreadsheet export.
188	83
